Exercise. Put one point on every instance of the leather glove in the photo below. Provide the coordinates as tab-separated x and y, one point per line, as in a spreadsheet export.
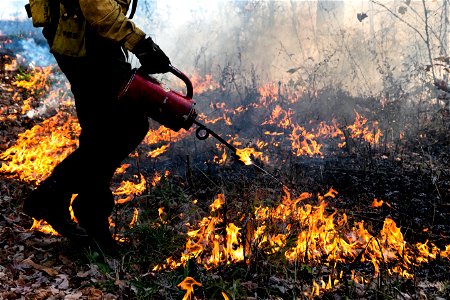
151	57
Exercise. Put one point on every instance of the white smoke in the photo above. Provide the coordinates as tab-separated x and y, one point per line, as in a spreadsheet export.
280	40
36	55
12	9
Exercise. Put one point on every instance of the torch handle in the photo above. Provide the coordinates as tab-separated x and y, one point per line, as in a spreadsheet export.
185	79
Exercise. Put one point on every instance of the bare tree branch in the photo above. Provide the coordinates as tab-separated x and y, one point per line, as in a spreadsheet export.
427	41
400	18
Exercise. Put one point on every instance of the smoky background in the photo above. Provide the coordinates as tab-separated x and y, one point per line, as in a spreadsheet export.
330	41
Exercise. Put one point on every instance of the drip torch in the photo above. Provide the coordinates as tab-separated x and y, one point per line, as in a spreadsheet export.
167	107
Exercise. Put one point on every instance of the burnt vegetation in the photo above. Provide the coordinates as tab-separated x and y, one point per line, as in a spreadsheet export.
346	196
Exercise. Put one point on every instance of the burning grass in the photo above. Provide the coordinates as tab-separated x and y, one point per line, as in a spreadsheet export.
300	217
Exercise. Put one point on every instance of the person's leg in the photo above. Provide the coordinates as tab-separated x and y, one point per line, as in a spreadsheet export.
95	202
111	130
50	201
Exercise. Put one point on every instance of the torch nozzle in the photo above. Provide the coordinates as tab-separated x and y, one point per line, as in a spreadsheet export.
203	132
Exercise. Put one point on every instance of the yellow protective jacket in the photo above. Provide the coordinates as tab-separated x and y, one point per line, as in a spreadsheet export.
106	17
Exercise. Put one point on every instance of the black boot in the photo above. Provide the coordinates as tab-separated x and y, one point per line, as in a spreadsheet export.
49	202
92	210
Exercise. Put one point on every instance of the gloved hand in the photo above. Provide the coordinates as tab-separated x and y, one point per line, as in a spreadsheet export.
151	57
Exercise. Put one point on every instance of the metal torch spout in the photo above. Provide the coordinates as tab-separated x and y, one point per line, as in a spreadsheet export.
203	132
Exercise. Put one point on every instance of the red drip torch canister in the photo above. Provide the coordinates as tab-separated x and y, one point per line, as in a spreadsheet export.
167	107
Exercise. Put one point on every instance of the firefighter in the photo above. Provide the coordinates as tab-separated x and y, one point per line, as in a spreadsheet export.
89	40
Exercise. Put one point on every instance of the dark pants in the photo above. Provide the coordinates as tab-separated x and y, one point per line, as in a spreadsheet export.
109	130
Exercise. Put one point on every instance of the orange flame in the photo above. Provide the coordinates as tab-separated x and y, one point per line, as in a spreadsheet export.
38	150
12	66
377	203
162	215
130	189
304	142
204	84
188	285
234	250
134	220
157	178
358	129
158	151
246	153
43	227
218	202
318	234
122	169
37	81
223	157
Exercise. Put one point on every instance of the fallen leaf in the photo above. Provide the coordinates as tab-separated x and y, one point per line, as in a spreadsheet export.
74	296
92	293
293	70
63	282
39	267
65	260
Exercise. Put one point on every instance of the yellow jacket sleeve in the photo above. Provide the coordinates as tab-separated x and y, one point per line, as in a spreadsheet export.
108	19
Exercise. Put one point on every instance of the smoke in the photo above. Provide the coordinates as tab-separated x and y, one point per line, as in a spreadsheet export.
271	38
12	10
34	54
279	40
207	36
319	44
316	44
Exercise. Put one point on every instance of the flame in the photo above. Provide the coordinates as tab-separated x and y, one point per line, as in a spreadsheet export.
303	142
223	157
157	178
279	117
302	228
130	189
208	120
205	238
121	169
162	215
319	235
234	251
134	220
377	203
188	285
268	93
315	289
37	81
38	150
26	106
163	134
43	227
359	130
203	84
11	66
331	193
246	153
72	213
158	151
218	202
